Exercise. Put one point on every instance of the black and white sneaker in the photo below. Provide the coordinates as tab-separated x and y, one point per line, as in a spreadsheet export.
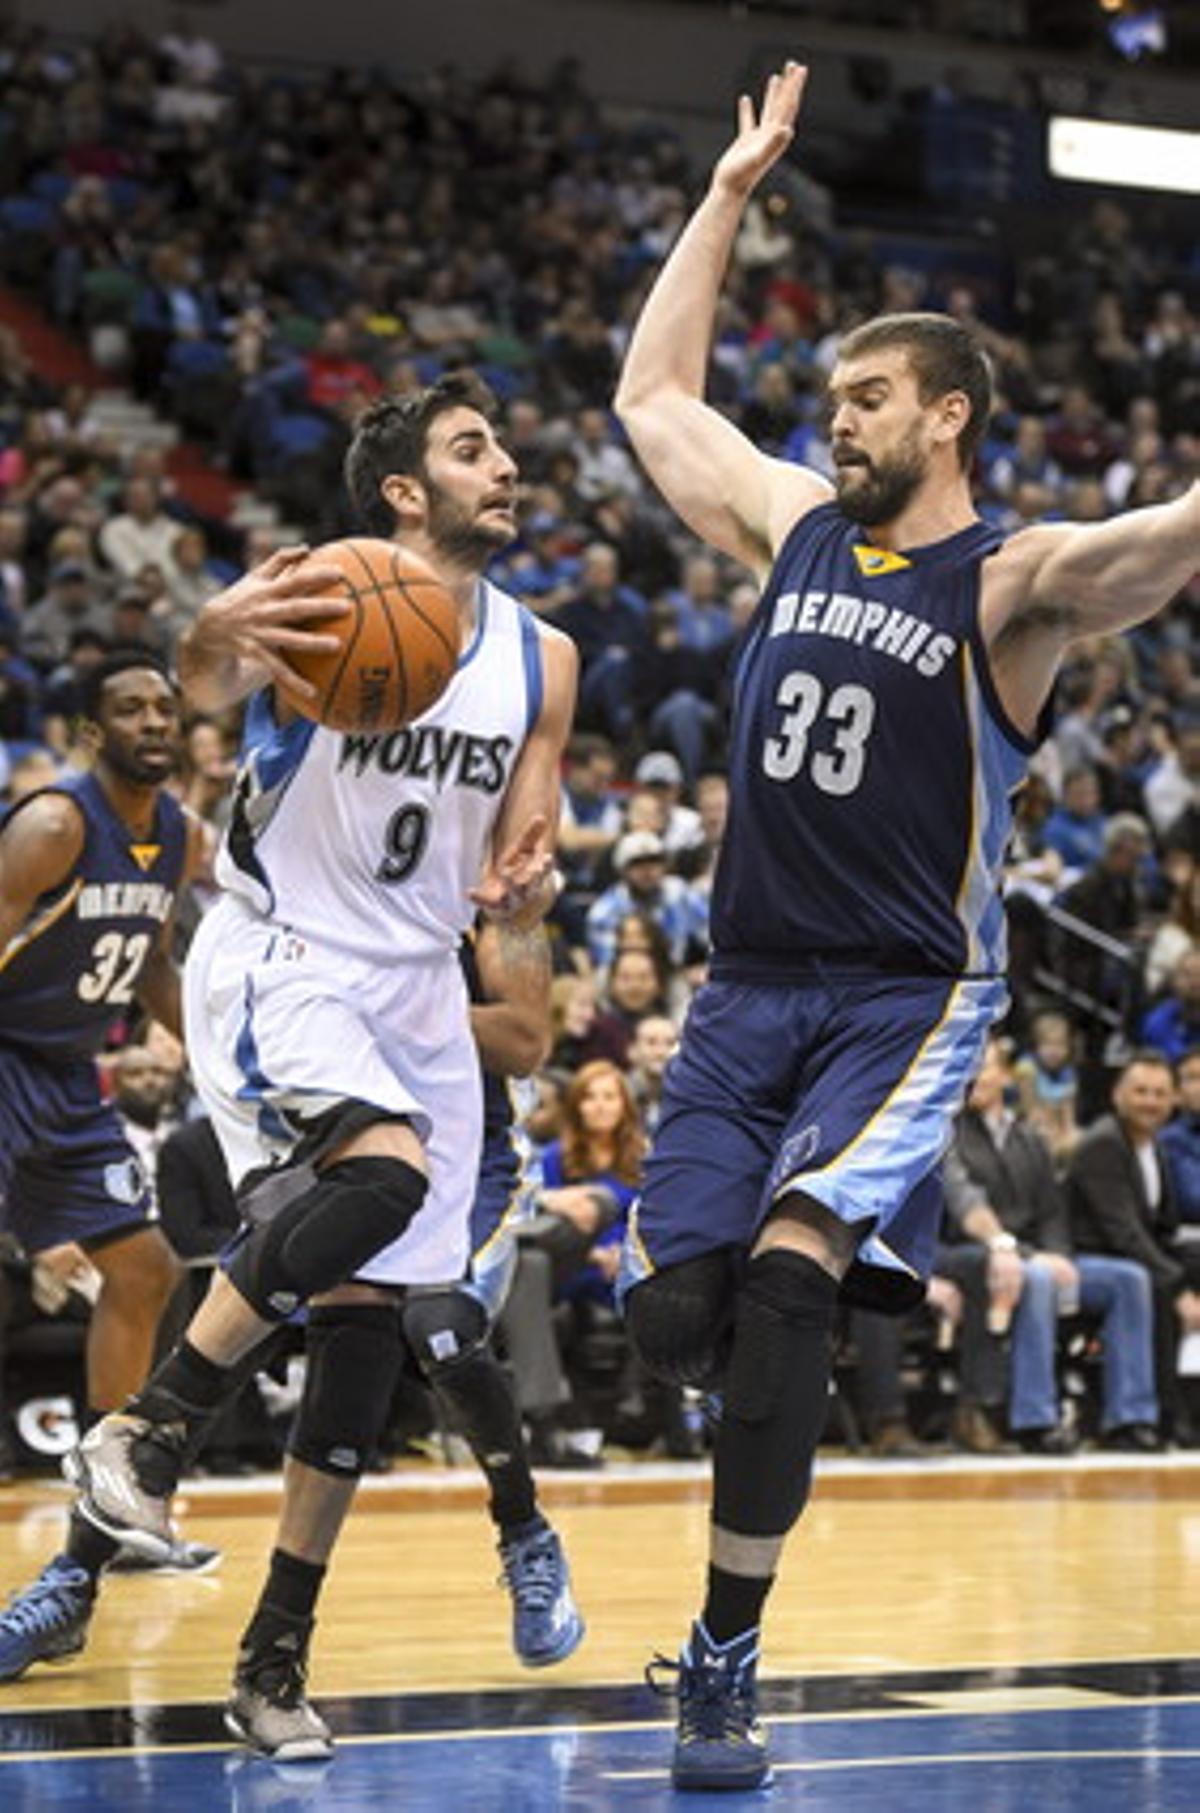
268	1708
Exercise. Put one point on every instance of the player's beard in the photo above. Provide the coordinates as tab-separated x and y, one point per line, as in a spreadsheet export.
878	491
459	537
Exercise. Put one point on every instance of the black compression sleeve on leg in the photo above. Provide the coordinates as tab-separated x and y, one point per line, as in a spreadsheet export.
352	1361
776	1396
447	1332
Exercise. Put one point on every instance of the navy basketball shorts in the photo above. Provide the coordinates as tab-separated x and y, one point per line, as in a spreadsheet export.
503	1200
841	1087
66	1169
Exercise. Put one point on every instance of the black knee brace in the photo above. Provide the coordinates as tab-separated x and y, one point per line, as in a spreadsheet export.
355	1208
443	1329
776	1393
353	1355
681	1319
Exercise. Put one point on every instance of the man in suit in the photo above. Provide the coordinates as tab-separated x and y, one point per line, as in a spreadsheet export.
1001	1191
1122	1202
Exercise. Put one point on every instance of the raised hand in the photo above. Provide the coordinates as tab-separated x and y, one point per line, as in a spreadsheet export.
520	882
271	611
761	141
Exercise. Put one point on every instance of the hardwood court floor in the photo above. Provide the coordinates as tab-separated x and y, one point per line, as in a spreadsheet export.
981	1590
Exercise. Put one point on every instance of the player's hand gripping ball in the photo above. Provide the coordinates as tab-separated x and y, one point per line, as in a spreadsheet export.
398	646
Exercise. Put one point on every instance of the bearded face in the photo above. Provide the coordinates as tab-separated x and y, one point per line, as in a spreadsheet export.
874	488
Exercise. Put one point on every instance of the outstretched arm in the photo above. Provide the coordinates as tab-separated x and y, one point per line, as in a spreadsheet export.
242	637
726	490
1058	581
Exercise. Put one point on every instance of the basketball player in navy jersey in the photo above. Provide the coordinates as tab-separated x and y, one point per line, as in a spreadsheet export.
891	686
446	1331
327	1016
90	869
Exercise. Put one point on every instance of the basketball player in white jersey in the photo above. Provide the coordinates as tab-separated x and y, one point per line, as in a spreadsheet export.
326	1011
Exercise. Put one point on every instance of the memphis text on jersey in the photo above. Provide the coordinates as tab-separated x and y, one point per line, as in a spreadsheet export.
868	624
124	900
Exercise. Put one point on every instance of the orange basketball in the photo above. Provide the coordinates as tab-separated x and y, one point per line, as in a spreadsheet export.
399	644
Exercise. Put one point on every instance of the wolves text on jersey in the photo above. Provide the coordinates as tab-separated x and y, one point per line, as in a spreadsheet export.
432	752
868	624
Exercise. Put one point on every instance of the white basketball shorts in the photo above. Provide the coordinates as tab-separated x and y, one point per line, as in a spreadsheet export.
281	1029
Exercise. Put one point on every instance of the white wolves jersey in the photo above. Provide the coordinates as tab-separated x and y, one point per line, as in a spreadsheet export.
369	843
871	763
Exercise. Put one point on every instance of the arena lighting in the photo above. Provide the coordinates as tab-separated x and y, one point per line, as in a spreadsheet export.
1134	157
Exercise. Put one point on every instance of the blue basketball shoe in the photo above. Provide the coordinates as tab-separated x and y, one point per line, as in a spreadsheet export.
547	1625
48	1621
719	1742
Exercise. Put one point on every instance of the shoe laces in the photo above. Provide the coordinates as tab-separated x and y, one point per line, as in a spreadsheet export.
715	1702
531	1572
44	1606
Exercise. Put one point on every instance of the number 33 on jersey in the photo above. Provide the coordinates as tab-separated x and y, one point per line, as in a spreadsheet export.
874	761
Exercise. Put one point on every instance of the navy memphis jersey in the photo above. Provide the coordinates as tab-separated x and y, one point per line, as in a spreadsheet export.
871	763
75	963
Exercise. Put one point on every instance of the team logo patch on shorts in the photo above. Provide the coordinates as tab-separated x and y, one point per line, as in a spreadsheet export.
125	1182
796	1154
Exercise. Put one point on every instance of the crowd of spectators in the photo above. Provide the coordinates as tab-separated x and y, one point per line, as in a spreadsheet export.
258	255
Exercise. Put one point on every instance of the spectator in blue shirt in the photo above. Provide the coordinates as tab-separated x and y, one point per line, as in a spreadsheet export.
644	887
1179	1142
1076	826
702	616
1173	1027
607	622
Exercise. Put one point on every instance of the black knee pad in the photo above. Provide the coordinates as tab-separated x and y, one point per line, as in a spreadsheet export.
356	1208
352	1361
443	1330
782	1291
776	1394
681	1319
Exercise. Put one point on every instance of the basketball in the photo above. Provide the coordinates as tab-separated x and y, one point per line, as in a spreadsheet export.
398	646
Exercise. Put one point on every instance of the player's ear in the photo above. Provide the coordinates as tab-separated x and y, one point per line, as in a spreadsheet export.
953	414
87	735
405	496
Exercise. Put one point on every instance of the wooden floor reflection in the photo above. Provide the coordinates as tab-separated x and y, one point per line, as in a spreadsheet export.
945	1566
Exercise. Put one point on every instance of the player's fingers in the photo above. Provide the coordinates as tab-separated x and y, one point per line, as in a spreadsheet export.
305	642
745	113
281	560
301	610
296	581
286	676
530	839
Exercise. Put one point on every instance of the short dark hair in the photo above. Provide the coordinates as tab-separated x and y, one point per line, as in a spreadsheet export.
1150	1056
118	661
391	436
944	356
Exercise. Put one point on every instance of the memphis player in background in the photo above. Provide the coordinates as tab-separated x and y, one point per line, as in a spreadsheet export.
892	685
446	1330
90	870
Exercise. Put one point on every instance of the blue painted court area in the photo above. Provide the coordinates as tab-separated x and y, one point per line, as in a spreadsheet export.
1122	1758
